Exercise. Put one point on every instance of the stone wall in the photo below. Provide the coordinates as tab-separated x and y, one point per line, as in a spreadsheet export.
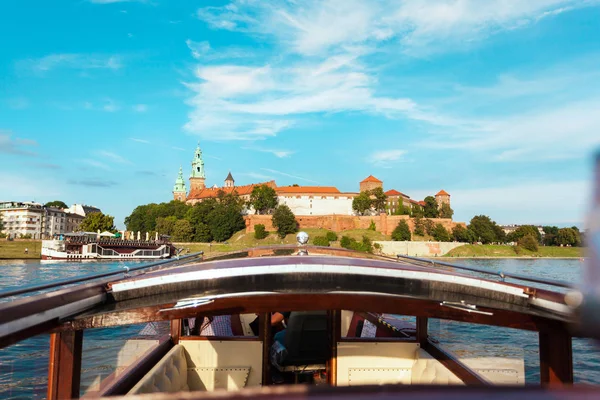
417	249
383	223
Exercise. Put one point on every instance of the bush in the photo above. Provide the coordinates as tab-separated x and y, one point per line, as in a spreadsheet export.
321	241
462	234
372	226
429	226
284	220
440	233
331	236
202	233
419	227
366	245
401	232
260	232
27	236
529	242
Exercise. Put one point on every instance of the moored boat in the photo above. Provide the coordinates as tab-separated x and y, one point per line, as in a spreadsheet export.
95	246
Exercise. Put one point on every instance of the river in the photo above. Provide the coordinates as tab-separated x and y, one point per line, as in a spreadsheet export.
23	367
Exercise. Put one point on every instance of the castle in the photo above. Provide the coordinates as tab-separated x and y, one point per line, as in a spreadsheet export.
302	200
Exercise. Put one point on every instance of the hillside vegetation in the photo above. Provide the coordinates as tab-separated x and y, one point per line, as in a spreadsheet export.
489	250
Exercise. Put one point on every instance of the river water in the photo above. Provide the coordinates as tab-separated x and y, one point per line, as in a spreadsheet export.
24	366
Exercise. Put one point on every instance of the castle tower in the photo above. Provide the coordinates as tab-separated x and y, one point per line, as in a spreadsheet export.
370	183
442	197
179	188
229	181
197	178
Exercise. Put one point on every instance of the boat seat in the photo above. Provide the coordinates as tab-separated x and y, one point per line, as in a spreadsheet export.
306	342
169	375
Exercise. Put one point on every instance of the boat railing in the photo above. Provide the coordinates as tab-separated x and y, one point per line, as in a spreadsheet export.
502	275
86	278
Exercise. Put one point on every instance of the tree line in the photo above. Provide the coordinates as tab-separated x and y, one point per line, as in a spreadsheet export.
375	201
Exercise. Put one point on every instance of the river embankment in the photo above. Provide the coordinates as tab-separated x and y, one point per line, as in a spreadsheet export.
20	249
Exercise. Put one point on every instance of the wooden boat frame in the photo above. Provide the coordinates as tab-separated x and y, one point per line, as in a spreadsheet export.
257	281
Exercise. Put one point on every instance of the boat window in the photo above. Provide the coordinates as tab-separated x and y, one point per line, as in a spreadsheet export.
107	352
377	327
218	325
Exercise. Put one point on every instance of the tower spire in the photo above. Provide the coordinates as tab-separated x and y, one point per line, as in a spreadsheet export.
179	192
197	176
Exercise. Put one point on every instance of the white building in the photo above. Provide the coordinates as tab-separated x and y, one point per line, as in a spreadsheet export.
54	222
315	200
22	219
82	209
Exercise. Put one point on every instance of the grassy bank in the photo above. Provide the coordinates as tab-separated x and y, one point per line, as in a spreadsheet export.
489	250
16	249
242	240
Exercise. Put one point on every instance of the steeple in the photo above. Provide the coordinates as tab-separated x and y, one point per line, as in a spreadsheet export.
229	181
197	176
179	192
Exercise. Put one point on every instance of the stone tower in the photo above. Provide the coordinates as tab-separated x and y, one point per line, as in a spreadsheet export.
179	188
229	181
370	183
197	178
442	197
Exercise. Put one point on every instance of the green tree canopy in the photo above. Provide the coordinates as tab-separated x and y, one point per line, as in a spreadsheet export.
428	225
401	232
56	204
462	234
378	199
361	203
166	225
182	231
417	211
440	233
419	226
284	220
485	230
523	231
98	221
224	220
528	242
567	237
431	207
263	199
446	211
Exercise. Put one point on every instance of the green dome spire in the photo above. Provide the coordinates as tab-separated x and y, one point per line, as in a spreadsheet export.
179	183
198	164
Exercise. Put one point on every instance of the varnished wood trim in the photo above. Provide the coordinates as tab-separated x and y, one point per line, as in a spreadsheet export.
265	336
64	365
220	338
462	372
176	325
377	340
556	357
422	334
335	333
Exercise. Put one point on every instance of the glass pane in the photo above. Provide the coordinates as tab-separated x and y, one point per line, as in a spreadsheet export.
24	369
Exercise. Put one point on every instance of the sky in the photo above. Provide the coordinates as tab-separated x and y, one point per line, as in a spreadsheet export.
496	102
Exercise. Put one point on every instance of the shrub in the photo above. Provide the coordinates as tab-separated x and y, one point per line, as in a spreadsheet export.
429	226
284	220
372	226
419	227
401	232
345	242
321	241
331	236
26	236
529	242
377	247
462	234
440	233
260	232
366	245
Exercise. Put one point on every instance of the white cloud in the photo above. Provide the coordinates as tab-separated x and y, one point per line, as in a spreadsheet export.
141	108
277	153
140	140
112	157
198	49
16	146
72	61
95	164
385	158
273	171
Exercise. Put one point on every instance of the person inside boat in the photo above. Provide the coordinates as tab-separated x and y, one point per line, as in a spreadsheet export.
278	322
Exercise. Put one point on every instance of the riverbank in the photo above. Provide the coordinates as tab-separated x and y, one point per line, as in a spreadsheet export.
500	251
15	249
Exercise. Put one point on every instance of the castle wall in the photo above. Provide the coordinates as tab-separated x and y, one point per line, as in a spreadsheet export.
383	223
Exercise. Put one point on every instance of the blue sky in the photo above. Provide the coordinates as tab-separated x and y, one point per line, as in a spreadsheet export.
497	102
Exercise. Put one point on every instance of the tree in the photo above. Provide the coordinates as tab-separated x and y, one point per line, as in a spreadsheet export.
166	225
98	221
567	237
202	233
331	236
361	203
429	226
284	220
56	204
419	227
417	211
462	234
401	232
263	199
485	230
440	233
224	220
431	207
378	199
528	242
522	231
182	231
260	232
446	211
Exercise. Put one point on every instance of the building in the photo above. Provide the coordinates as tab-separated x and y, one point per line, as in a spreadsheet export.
82	209
442	197
54	221
302	200
22	219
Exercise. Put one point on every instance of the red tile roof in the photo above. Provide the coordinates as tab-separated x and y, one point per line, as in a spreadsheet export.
371	178
421	203
306	189
207	193
394	192
442	193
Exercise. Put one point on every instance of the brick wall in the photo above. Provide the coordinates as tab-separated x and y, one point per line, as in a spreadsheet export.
383	223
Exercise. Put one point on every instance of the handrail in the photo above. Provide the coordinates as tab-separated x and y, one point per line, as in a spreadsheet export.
503	275
68	281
